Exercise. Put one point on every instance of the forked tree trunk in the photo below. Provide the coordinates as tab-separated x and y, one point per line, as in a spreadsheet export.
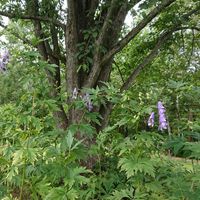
108	36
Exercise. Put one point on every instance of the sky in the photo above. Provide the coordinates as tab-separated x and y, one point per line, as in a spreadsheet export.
5	20
129	20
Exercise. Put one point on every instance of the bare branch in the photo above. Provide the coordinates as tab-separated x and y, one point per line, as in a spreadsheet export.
29	17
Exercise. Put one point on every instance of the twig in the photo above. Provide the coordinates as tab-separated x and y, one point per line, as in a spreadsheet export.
38	18
120	73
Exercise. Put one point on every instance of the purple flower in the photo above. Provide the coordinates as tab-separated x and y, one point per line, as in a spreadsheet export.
74	94
88	102
151	120
162	118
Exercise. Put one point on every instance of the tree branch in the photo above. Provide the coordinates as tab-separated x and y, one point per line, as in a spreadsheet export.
107	22
119	70
108	35
95	70
28	42
99	62
154	52
72	60
29	17
122	43
150	57
112	37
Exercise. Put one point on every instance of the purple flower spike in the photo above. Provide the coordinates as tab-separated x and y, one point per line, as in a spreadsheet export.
74	94
151	120
162	118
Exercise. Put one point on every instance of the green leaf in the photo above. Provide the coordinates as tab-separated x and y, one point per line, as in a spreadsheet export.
18	157
122	194
133	166
69	139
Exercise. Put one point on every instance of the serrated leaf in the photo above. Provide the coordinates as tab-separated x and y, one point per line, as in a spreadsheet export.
69	139
134	166
121	194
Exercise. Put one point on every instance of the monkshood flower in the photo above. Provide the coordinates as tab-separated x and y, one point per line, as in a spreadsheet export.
162	118
88	102
151	120
75	94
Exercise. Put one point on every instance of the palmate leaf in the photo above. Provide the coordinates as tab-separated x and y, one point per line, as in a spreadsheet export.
32	154
154	186
93	117
83	128
194	148
42	187
13	171
70	139
62	194
3	191
68	142
3	161
72	194
196	177
18	157
125	193
29	154
76	176
176	144
134	166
